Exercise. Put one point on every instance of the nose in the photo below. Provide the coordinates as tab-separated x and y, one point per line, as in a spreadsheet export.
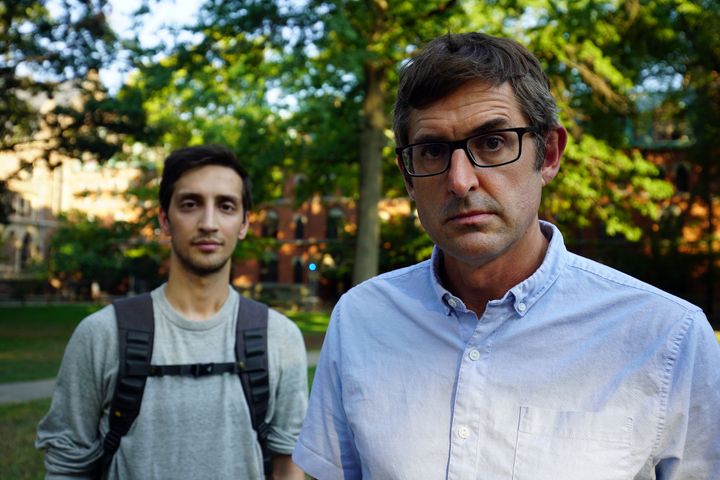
208	220
462	177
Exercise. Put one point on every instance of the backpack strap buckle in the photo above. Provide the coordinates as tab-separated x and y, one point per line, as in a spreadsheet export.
202	369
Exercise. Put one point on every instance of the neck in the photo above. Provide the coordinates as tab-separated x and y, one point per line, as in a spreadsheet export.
476	285
196	297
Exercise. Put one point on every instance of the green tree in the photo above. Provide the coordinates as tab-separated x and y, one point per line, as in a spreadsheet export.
84	250
53	103
337	61
589	54
681	42
307	87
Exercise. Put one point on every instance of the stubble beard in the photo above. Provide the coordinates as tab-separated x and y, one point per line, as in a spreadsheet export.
197	268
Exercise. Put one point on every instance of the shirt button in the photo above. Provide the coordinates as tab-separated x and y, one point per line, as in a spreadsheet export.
452	302
463	432
521	307
474	355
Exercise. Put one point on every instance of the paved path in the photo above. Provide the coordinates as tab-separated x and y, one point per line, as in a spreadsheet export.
25	391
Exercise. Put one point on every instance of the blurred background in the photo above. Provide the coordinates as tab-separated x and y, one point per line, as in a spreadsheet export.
96	93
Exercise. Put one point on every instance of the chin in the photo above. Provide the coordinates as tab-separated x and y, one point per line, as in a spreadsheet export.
203	267
472	253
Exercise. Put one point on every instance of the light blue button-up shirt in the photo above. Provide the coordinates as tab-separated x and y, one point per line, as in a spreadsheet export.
579	372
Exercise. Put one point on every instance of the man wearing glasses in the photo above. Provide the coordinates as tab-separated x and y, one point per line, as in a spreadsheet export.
504	356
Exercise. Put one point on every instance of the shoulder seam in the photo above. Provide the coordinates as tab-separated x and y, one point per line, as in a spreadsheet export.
637	285
670	360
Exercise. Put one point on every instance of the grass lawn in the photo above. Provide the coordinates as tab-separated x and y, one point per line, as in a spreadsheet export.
32	342
33	339
18	458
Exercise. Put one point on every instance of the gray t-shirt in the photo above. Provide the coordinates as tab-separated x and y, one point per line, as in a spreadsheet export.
187	427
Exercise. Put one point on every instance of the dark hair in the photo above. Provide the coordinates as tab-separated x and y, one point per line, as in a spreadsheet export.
448	62
185	159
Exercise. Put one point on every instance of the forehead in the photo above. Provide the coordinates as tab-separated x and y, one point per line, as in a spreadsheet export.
459	114
210	180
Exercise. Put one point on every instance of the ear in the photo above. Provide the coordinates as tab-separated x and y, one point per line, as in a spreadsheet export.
164	221
554	147
407	180
245	227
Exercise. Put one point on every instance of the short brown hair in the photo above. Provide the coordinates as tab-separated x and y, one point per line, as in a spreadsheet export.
185	159
448	62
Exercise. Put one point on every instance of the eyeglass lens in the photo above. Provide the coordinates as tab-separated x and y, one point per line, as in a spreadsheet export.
485	150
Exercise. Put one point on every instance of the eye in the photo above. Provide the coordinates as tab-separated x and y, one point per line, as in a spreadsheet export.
491	143
430	151
228	207
188	204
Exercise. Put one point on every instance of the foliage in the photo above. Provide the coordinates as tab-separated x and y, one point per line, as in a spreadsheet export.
584	48
598	183
332	63
306	87
53	105
403	243
213	92
40	52
84	250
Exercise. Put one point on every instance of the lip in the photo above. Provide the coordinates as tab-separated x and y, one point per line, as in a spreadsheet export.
207	246
470	217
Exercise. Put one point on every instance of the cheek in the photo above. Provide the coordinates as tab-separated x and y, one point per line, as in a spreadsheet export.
528	194
428	203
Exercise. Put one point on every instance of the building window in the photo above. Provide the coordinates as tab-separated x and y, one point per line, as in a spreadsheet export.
682	178
26	252
299	227
298	271
270	224
335	218
269	268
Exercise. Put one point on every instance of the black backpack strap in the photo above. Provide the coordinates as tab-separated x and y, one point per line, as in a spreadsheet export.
136	326
251	350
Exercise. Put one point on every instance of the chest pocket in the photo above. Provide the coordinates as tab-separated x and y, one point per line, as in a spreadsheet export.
557	445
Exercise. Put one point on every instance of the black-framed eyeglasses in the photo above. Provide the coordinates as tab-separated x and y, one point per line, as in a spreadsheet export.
486	150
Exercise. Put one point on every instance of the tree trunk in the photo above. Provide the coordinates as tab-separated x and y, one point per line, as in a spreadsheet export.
372	141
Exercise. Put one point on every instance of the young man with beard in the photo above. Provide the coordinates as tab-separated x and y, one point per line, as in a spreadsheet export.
504	356
188	426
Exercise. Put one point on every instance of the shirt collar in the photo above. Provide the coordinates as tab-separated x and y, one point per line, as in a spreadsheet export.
526	293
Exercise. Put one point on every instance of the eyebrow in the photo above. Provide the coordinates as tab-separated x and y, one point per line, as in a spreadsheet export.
197	196
490	125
